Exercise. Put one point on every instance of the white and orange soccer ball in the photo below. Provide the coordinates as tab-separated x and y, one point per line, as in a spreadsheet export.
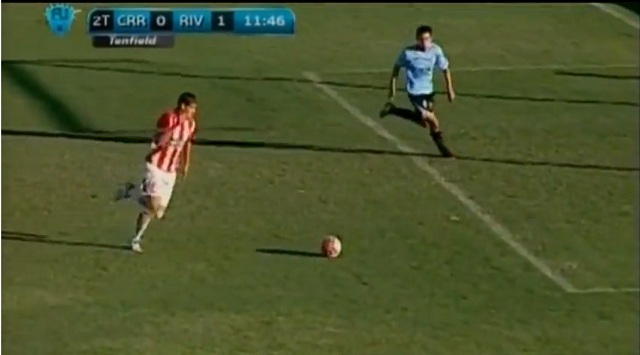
331	246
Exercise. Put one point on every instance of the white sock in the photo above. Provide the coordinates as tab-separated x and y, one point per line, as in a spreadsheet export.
142	226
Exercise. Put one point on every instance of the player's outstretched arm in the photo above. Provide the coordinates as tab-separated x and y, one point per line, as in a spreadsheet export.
449	84
442	63
162	136
161	139
185	162
393	82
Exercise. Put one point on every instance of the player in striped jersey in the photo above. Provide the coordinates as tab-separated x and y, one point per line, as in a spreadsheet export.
170	155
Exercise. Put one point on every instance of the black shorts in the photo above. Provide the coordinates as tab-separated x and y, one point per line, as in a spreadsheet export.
423	102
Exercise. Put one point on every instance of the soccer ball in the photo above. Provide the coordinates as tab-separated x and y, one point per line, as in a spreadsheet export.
331	246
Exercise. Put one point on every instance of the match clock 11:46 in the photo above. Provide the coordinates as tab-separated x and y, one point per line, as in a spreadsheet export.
275	21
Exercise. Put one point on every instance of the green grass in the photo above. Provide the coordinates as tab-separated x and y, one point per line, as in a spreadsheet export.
552	154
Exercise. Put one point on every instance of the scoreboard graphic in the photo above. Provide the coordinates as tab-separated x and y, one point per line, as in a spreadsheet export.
131	27
158	28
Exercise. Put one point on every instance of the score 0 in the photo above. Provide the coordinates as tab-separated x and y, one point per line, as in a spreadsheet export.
222	21
101	21
161	21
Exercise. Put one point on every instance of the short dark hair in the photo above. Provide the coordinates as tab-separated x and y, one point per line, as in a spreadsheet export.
422	29
186	98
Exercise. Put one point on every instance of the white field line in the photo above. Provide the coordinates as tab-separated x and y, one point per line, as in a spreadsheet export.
423	164
500	68
620	16
498	229
607	290
617	14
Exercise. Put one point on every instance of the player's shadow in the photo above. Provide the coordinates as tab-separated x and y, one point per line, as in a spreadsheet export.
289	252
14	236
405	114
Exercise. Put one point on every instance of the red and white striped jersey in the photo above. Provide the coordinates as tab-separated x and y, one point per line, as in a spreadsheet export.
182	131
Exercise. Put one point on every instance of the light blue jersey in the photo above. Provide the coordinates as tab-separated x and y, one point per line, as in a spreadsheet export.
419	65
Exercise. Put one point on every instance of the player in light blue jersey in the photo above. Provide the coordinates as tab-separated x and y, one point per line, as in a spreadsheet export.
420	61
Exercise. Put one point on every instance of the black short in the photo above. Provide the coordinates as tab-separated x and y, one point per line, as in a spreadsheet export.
423	102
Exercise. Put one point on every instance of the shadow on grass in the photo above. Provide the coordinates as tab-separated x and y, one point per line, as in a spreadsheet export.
241	144
631	6
289	252
85	65
52	106
597	75
71	125
43	239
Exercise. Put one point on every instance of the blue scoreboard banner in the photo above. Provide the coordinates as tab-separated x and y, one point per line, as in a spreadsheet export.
164	22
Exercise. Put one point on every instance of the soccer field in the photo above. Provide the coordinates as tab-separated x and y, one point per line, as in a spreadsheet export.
525	244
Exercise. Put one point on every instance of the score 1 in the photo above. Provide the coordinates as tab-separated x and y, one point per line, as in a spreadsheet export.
100	21
222	21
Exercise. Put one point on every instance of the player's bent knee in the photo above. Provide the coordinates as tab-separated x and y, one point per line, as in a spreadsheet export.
157	212
155	207
145	202
160	212
429	115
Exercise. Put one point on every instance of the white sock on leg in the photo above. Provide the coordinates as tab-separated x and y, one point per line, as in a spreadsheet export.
141	226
